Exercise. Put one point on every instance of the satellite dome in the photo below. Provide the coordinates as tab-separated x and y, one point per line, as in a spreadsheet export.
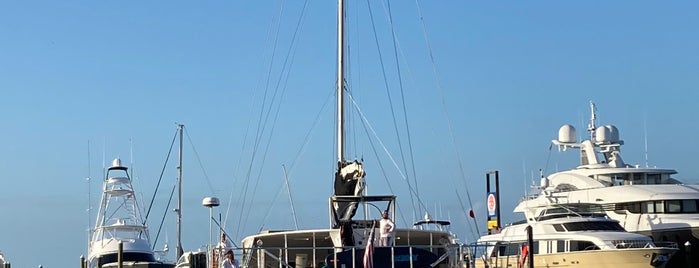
210	202
602	135
607	134
614	133
567	134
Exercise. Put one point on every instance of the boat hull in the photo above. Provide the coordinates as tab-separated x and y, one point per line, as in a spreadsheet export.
685	257
626	258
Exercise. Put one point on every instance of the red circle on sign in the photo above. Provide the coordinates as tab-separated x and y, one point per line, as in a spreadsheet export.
491	204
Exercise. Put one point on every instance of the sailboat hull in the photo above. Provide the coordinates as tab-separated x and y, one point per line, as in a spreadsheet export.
384	257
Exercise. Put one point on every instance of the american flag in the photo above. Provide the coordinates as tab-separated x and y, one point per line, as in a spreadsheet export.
369	251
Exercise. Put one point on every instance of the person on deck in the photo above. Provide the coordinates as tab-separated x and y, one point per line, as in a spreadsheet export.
225	244
386	227
229	262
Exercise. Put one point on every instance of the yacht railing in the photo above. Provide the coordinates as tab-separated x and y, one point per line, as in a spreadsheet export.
283	257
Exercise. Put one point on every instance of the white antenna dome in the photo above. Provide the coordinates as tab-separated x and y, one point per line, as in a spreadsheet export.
602	135
566	134
614	133
116	162
607	134
210	202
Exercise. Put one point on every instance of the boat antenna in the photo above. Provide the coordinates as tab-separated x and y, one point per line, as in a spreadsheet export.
645	138
180	127
593	116
89	200
291	200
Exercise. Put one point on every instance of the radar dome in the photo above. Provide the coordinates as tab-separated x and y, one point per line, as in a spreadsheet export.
567	134
602	135
607	134
614	133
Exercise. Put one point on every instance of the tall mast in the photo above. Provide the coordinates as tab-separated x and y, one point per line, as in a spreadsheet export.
340	81
179	197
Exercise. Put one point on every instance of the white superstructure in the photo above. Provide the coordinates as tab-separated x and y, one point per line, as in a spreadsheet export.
118	222
646	200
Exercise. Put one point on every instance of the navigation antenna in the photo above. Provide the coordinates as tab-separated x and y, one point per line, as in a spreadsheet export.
645	138
593	116
89	200
180	251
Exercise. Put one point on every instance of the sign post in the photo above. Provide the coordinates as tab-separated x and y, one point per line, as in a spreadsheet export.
493	202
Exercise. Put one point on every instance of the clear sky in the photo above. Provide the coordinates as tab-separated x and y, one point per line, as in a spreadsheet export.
119	75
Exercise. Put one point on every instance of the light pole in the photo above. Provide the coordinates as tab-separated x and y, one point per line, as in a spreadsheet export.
210	202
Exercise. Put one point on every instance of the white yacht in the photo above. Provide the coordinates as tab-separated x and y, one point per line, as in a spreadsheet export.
570	235
119	224
644	200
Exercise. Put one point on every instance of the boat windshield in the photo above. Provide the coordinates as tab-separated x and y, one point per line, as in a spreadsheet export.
589	226
567	210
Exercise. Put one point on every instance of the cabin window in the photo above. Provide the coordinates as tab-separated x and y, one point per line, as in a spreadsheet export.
579	245
535	247
648	207
511	249
689	206
559	228
593	226
560	246
673	206
659	207
653	178
637	178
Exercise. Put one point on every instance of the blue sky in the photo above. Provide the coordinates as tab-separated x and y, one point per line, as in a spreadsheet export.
120	75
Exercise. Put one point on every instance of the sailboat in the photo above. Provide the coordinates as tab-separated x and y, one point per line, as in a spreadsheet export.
645	200
347	242
120	234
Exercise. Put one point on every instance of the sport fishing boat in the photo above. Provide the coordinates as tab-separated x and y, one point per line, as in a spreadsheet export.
349	240
645	200
120	232
568	235
2	260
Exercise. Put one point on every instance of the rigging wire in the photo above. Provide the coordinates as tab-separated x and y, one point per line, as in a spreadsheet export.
383	170
388	94
160	227
162	172
246	183
385	149
443	102
280	90
298	154
196	154
405	110
291	200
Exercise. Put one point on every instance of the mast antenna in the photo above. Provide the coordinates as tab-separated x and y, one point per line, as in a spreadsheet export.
593	117
645	139
89	200
180	251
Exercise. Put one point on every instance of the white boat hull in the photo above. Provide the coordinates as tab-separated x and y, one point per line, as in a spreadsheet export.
626	258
